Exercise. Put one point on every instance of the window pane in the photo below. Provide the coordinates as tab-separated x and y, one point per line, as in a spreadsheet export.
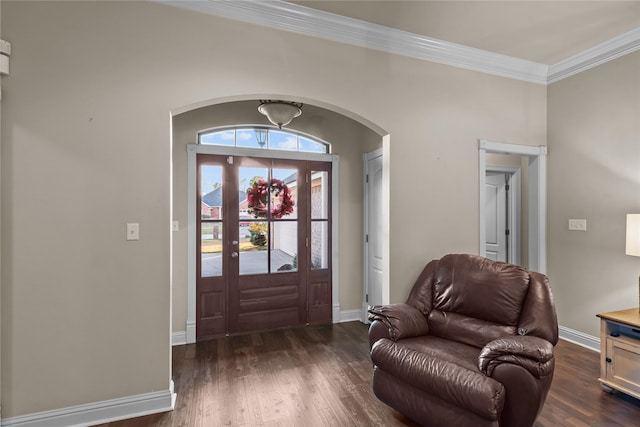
253	249
253	192
211	191
211	249
307	145
282	141
319	245
284	246
284	193
248	138
320	195
225	137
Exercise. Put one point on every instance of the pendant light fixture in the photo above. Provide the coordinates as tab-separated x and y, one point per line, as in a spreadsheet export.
280	113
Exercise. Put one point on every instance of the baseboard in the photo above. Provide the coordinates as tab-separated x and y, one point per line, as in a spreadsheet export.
178	338
336	314
567	334
580	338
191	331
99	412
350	315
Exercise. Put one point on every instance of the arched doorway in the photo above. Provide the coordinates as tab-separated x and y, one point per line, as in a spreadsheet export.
356	138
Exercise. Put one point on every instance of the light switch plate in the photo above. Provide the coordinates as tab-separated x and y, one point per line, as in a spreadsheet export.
175	226
133	231
578	224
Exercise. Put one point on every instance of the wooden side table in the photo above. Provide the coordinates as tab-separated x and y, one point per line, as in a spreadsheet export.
620	351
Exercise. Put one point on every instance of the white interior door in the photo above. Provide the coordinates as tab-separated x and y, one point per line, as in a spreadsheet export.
496	216
373	225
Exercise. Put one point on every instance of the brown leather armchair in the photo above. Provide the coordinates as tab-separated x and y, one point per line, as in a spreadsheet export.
472	346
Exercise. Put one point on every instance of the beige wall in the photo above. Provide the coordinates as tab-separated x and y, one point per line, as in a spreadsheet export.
349	139
594	173
86	137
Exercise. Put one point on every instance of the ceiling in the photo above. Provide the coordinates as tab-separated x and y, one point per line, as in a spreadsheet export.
540	31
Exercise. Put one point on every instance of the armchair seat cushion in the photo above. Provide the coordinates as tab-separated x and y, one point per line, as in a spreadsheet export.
445	349
453	377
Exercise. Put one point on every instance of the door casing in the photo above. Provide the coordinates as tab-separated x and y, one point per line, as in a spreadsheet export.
373	293
537	198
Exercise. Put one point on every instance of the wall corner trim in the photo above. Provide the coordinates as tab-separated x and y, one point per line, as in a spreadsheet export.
609	50
99	412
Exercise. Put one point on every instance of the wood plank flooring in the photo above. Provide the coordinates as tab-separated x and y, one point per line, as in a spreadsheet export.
321	376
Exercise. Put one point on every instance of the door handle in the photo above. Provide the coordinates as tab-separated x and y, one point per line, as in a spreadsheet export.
234	254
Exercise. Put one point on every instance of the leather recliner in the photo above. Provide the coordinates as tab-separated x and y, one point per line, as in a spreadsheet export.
472	346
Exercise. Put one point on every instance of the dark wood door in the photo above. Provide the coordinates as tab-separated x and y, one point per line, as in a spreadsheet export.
264	244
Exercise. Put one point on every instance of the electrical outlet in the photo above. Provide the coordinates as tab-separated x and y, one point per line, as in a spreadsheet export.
578	224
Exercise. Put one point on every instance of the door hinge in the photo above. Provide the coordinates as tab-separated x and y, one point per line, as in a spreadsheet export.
366	298
306	178
306	242
366	238
506	187
506	231
367	178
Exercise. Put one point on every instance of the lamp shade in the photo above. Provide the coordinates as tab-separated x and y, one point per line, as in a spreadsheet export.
280	113
633	235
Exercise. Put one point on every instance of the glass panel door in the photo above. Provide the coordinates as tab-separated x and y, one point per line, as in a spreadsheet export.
264	245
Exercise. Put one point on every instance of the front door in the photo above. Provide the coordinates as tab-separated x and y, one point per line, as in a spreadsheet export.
263	244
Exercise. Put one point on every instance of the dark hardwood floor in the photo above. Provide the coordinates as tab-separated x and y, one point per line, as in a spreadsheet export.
321	376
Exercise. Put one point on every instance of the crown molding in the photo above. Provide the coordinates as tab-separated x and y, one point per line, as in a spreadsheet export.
311	22
316	23
614	48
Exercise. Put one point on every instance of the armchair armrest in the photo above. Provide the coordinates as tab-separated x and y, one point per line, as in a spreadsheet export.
401	320
532	353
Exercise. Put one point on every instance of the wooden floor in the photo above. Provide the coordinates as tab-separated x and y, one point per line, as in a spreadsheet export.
321	376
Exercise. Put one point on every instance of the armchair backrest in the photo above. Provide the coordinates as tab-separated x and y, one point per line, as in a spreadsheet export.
475	300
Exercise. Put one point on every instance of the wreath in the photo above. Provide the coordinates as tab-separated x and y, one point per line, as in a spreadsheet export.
257	194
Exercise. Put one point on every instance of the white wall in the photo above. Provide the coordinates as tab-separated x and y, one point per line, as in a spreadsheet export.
87	148
594	174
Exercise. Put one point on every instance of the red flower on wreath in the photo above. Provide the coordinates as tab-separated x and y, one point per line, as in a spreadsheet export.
257	198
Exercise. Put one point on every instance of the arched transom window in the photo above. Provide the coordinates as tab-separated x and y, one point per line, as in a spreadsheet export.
263	138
